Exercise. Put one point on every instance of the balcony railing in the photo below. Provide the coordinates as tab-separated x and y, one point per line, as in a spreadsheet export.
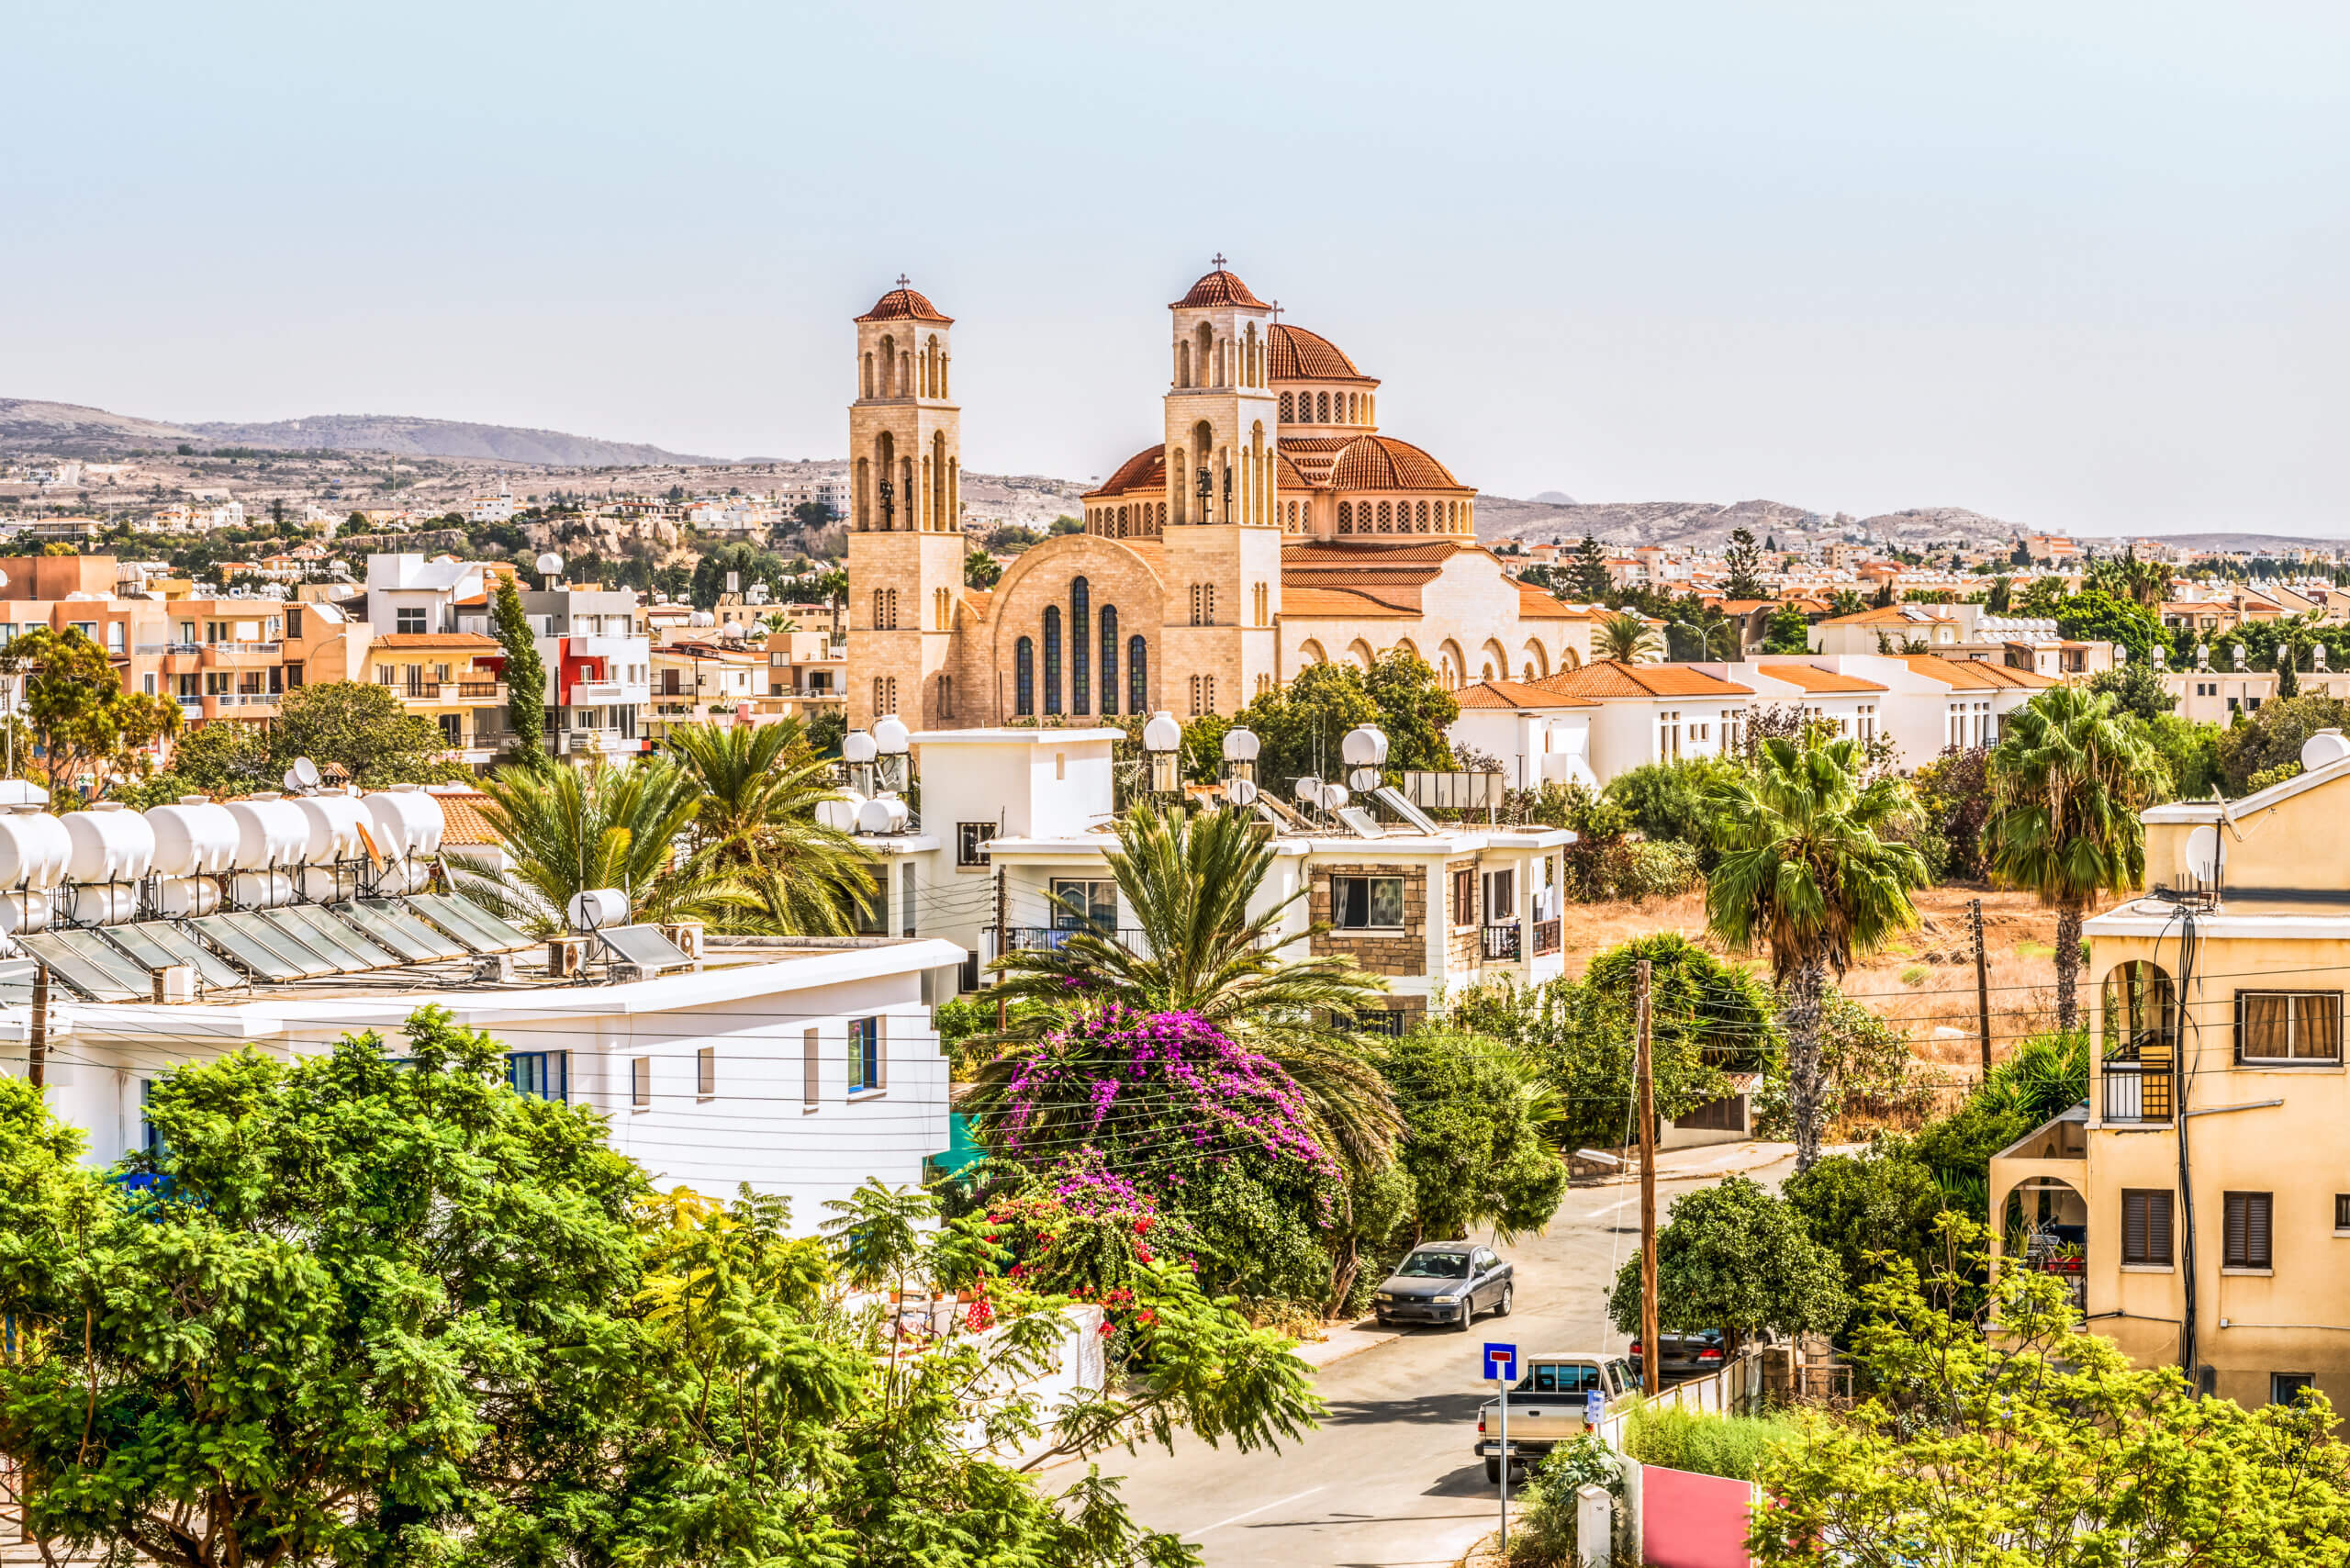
473	690
1049	938
2137	1092
1546	936
1500	943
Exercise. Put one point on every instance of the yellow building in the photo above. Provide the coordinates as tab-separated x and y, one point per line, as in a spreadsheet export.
2201	1198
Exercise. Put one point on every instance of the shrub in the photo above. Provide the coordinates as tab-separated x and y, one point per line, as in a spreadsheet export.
1545	1527
1730	1446
1655	868
1667	801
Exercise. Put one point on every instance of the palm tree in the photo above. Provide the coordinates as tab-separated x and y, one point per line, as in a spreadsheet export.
2067	783
1189	881
1807	869
1627	639
571	830
760	786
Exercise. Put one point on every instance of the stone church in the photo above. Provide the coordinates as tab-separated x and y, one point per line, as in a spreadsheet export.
1269	527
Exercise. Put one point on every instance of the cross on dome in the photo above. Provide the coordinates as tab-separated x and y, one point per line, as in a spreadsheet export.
1276	309
902	280
1218	262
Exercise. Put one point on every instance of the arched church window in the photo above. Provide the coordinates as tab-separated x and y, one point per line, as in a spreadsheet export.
1321	405
1346	516
1137	675
1052	658
1386	519
1081	668
1109	660
1286	408
1422	516
1024	677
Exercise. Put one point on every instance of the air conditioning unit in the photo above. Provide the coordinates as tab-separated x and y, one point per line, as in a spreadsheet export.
687	935
567	957
174	984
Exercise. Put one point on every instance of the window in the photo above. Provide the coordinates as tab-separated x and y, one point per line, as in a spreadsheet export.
1464	897
2284	1388
811	1067
869	915
1084	905
408	622
1024	677
150	1138
2302	1026
906	900
1109	660
294	621
866	1065
2247	1235
706	1073
1081	668
1137	675
1367	903
1052	658
1553	1377
1387	1023
292	677
149	680
2145	1226
116	636
1501	895
640	1083
969	837
2342	1212
453	731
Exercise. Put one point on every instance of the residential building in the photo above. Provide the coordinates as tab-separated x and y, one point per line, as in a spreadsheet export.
1653	712
598	668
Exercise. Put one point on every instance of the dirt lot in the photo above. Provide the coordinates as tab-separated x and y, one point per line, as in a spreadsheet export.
1923	984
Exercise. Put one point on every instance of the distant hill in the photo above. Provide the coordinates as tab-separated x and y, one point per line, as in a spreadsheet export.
1709	524
28	426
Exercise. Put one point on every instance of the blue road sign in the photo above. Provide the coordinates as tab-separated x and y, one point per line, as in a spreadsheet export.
1501	1360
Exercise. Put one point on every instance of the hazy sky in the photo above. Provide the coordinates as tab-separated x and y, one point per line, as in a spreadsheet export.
2076	265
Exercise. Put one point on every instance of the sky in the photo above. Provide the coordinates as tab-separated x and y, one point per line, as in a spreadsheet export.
2080	266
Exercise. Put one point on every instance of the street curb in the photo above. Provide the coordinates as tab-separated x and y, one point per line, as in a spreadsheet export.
1759	1157
1479	1548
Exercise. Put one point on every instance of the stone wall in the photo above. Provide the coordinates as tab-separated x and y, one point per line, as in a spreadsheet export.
1404	955
1460	956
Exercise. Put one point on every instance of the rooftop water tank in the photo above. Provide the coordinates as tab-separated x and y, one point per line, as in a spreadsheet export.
107	845
194	838
271	830
333	823
34	849
595	909
23	912
405	821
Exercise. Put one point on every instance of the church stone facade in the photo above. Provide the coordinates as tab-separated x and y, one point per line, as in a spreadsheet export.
1271	526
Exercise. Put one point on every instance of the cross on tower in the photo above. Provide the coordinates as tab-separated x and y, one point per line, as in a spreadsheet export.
901	280
1218	263
1276	309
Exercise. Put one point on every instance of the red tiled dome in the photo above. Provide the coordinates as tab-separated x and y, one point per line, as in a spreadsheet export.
1300	355
1382	463
903	304
1220	288
1146	470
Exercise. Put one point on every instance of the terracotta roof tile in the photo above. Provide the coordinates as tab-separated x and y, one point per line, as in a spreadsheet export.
1146	470
1813	679
1892	615
903	304
1609	677
1338	604
977	601
1289	476
1516	694
1540	604
1964	674
1335	552
1220	288
467	818
1382	463
1300	355
473	640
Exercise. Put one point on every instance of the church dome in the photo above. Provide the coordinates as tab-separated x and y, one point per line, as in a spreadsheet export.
903	304
1220	288
1300	355
1146	470
1382	463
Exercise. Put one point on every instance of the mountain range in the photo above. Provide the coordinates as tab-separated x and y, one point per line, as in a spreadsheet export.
30	427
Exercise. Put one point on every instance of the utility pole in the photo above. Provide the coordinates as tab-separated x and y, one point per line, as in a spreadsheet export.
37	1039
999	1008
1651	1352
1982	985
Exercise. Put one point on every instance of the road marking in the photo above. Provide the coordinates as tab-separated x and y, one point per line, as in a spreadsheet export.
1260	1509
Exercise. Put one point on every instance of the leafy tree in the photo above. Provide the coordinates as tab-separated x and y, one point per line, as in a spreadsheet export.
526	676
1591	583
1415	711
1191	882
1474	1149
1954	795
1735	1258
1743	562
760	787
981	570
2040	1443
2092	615
1883	1201
224	759
747	561
1996	598
1067	525
1010	538
571	830
1668	799
1809	868
88	729
1627	639
1846	602
1787	632
2041	597
2137	690
2190	752
673	581
2021	555
362	726
356	1315
2068	780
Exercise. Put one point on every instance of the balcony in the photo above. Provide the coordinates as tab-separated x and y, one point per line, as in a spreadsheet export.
451	693
240	655
1547	937
600	693
1501	943
2137	1092
1050	938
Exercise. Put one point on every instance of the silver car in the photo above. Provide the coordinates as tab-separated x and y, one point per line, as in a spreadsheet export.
1445	1282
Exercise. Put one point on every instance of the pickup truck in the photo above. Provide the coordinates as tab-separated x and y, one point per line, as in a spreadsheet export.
1547	1406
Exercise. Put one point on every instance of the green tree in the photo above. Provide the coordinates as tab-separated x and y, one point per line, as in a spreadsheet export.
981	570
1299	725
1592	584
1191	882
1735	1258
1864	1208
1668	799
1626	639
2137	689
2093	615
2190	754
2274	735
88	729
573	830
334	1336
1473	1147
1787	632
2068	780
760	786
1809	868
1415	711
224	759
2040	1443
526	676
1743	576
361	726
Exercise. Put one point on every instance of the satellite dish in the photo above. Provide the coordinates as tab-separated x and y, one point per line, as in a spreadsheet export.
1309	790
2207	853
2325	748
1240	791
550	564
306	770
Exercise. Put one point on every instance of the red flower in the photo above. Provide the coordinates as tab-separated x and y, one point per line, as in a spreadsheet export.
1142	1226
1108	1328
1145	1317
1143	1253
981	1317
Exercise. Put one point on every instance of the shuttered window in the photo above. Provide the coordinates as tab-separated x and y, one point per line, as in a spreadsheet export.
2248	1231
811	1067
2145	1226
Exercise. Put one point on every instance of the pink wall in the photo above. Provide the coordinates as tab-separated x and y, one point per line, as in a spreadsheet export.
1692	1521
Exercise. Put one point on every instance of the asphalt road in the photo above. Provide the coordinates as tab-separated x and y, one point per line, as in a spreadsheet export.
1389	1479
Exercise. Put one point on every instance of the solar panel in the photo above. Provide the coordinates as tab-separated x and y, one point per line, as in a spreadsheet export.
159	945
371	949
17	982
469	923
75	971
105	956
258	957
644	947
351	951
257	923
417	941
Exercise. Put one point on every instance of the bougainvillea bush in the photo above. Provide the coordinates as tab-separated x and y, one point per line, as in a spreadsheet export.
1123	1112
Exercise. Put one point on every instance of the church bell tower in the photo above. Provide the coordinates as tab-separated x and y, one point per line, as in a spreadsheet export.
905	541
